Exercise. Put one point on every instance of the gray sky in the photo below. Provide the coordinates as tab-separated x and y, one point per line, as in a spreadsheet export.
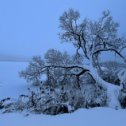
30	27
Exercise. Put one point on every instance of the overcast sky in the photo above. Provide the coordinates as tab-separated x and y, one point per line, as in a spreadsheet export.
30	27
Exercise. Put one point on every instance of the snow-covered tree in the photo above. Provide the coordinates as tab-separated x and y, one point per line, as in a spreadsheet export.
90	38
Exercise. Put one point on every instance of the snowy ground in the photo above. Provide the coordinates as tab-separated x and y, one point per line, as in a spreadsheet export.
11	86
82	117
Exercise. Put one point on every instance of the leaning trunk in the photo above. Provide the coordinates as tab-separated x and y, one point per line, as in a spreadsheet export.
111	89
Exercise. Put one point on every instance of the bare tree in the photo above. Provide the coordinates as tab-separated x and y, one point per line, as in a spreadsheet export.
91	38
34	70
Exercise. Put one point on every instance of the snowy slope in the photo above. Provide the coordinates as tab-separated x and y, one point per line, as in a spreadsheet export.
11	85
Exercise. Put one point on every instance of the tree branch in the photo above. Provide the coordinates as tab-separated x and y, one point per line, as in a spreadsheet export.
110	49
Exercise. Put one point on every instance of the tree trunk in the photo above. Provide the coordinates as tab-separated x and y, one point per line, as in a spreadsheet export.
111	89
113	97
